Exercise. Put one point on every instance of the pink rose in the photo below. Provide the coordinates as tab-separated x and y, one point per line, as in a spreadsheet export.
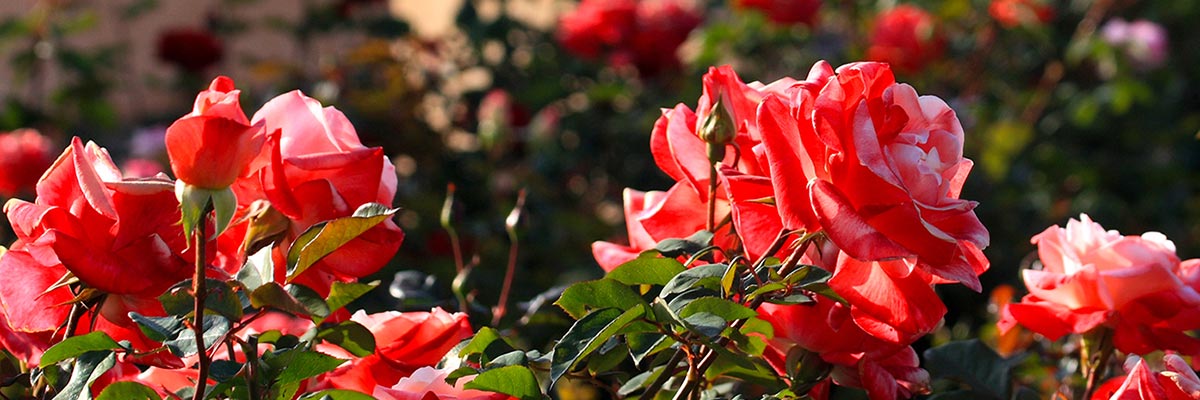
314	169
428	382
1176	382
1092	277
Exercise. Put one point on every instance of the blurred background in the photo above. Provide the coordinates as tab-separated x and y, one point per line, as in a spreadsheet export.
1069	106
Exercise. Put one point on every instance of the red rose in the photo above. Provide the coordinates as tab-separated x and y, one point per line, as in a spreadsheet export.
119	237
1091	277
644	34
785	12
651	217
595	26
906	37
404	343
314	169
212	146
24	155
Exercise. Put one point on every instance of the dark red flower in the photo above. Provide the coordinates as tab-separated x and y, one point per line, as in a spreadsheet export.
193	50
785	12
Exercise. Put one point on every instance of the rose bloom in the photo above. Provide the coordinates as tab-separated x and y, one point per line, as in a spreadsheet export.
1091	278
1176	382
404	343
313	169
906	37
785	12
212	146
429	382
878	169
119	237
24	155
1013	13
645	34
192	50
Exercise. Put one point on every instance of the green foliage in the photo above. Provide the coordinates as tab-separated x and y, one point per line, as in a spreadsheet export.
586	335
76	346
351	336
128	391
583	297
974	364
85	370
513	380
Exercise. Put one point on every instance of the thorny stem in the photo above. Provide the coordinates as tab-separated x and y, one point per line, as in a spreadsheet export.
510	225
667	373
199	291
710	355
1095	371
251	364
455	246
711	223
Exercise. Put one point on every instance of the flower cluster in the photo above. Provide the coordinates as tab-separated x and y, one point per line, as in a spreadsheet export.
96	252
849	156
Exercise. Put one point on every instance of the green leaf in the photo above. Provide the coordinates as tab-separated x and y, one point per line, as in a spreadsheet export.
223	300
224	205
178	300
647	344
587	334
88	367
214	329
336	394
273	295
159	329
128	391
224	370
298	364
672	248
342	293
480	342
322	239
351	336
76	346
515	357
727	310
513	380
607	358
581	297
258	269
646	271
310	299
705	275
975	364
640	380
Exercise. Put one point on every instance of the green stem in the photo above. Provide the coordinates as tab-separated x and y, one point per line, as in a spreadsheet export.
200	291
